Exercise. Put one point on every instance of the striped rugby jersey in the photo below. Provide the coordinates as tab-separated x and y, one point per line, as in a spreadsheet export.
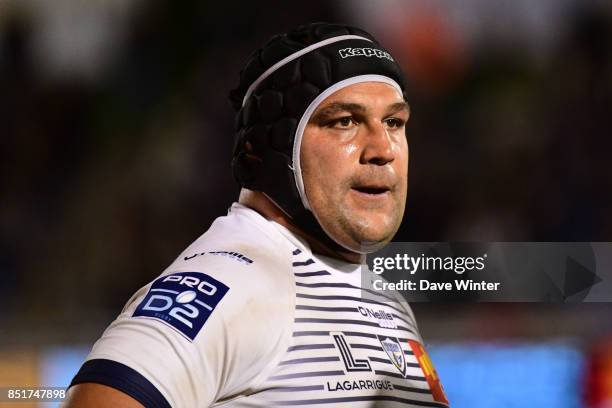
248	316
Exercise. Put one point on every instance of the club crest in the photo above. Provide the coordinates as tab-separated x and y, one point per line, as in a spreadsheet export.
393	349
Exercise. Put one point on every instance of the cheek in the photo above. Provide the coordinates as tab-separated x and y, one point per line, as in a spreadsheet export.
325	182
402	159
313	160
319	175
324	163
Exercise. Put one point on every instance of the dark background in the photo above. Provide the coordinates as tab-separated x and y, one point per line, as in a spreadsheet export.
116	135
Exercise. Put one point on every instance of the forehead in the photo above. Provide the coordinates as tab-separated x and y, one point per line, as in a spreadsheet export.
369	94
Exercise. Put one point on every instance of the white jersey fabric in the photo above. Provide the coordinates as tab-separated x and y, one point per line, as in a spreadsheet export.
248	316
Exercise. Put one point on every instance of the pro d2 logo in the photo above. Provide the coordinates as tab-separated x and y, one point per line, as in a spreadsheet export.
182	300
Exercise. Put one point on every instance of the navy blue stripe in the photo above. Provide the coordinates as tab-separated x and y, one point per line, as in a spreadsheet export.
310	333
382	360
364	398
305	375
327	285
370	347
359	334
304	263
395	375
326	309
326	333
345	321
412	389
122	378
334	321
311	347
315	273
297	252
379	360
347	286
333	297
309	360
293	389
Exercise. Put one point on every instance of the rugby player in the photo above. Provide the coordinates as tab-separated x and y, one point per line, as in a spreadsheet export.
265	308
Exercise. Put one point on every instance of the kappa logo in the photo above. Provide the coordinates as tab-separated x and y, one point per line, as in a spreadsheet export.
365	52
392	347
350	362
183	300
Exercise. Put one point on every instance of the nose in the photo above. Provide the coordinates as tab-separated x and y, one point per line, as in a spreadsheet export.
377	146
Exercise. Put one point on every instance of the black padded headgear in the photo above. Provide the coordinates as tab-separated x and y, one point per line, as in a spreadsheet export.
280	86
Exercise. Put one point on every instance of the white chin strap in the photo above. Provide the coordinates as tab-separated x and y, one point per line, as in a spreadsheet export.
299	134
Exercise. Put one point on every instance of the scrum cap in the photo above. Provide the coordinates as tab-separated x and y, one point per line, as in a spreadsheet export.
280	87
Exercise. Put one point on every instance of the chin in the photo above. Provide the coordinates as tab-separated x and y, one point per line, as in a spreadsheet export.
378	230
368	243
372	246
363	233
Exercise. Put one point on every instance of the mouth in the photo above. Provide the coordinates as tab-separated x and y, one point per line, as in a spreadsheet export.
371	190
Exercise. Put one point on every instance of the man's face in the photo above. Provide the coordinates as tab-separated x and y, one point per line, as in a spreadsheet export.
354	158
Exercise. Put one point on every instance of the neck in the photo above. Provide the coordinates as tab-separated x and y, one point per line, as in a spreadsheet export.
266	207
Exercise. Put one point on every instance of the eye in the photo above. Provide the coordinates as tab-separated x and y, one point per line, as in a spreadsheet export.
395	123
345	122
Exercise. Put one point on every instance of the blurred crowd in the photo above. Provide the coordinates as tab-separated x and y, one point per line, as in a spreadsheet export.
116	134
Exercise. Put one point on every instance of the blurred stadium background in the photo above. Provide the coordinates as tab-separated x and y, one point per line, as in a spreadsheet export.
116	135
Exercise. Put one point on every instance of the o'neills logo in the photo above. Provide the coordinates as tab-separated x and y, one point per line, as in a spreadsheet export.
365	52
383	318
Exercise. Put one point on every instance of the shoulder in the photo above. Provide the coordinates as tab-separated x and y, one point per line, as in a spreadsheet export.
234	277
242	250
220	314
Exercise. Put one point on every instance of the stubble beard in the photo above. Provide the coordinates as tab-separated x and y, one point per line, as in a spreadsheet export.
363	236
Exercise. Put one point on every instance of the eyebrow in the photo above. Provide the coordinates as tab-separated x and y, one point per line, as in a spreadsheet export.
336	107
397	107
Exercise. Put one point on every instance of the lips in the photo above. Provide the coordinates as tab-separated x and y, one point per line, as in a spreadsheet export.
371	189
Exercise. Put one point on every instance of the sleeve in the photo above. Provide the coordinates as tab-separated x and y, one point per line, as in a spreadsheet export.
201	333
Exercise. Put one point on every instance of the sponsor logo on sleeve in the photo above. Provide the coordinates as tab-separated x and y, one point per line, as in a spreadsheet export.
237	256
183	300
429	371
